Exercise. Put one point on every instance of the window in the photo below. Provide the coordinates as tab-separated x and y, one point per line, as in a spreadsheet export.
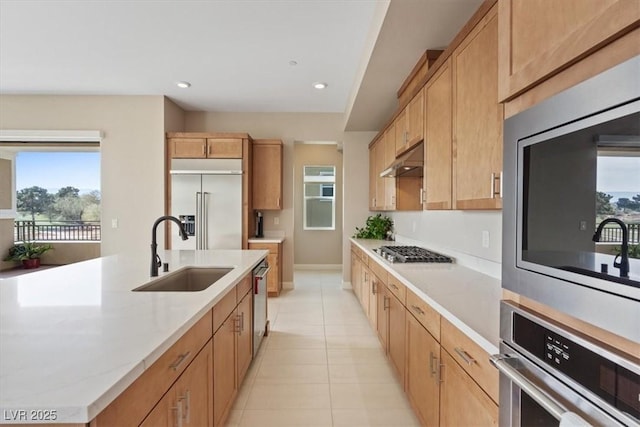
319	209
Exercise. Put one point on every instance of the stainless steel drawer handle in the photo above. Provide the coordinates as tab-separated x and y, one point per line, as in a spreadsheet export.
417	309
394	286
465	356
181	358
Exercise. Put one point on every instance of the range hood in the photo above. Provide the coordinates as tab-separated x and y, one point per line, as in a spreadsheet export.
410	163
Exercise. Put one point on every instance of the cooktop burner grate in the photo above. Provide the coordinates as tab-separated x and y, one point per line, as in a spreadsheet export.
411	254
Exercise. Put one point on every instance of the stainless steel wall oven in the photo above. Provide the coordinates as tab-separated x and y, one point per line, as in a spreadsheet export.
562	183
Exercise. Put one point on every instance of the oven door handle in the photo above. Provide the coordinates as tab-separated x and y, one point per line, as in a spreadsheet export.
504	363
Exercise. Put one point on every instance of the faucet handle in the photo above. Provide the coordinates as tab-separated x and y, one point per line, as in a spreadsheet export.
158	261
165	267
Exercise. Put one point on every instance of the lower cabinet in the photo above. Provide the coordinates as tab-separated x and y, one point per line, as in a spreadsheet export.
274	277
422	382
195	382
447	377
189	402
457	391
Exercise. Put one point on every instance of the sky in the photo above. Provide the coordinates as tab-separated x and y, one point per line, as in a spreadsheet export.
618	174
54	170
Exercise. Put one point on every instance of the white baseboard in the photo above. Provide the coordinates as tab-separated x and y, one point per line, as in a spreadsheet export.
337	267
346	285
287	285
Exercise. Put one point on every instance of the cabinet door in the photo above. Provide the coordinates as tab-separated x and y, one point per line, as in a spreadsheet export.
356	275
477	118
194	390
382	315
458	387
402	132
267	176
396	315
373	300
165	413
373	181
245	336
366	289
540	37
188	148
421	381
415	119
224	367
380	182
438	144
224	148
273	277
389	157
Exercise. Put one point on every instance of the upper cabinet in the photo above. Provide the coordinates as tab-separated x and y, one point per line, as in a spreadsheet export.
438	139
539	38
477	118
409	125
203	148
401	130
267	174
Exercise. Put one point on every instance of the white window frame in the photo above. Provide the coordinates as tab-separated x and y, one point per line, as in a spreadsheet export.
318	180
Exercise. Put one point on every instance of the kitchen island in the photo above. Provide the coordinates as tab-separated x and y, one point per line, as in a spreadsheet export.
73	338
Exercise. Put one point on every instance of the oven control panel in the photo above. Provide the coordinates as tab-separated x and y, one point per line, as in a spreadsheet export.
557	351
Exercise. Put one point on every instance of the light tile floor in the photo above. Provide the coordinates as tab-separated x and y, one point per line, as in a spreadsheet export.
322	364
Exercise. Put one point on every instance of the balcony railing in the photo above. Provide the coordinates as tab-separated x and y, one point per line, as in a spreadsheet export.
60	230
613	234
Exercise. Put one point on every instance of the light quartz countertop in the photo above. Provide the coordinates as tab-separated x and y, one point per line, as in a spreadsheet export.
266	240
73	338
468	299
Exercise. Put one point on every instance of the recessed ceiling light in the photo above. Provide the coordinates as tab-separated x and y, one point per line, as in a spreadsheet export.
293	63
320	85
183	85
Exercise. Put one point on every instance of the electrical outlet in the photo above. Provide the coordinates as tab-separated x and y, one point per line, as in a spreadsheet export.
114	223
485	239
276	220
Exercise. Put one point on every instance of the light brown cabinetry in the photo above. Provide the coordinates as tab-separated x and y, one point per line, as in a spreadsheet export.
381	184
274	259
415	119
267	174
245	335
438	140
401	131
356	274
477	118
389	157
422	382
395	314
224	368
540	38
189	402
373	180
458	389
203	148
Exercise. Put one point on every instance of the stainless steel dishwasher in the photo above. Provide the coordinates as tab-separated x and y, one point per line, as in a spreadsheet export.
259	303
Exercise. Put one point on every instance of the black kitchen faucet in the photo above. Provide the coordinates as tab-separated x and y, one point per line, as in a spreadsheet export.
155	258
623	265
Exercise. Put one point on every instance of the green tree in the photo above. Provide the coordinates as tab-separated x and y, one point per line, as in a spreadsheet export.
69	208
603	204
91	202
625	203
34	200
68	192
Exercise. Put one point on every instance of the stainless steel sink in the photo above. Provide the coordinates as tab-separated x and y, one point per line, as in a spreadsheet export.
190	279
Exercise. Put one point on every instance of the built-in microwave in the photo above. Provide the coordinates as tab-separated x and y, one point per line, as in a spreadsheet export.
571	206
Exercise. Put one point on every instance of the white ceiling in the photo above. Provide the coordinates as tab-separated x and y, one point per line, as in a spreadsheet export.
235	53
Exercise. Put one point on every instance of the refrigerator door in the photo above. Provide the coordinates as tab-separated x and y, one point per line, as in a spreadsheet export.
185	194
222	211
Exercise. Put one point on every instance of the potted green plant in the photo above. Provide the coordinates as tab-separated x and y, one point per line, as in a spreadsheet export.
377	227
28	252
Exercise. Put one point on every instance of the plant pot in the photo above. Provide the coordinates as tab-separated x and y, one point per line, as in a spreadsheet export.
31	263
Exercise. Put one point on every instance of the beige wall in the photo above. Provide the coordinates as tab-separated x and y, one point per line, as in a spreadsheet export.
6	206
316	246
132	156
288	127
355	189
70	252
6	242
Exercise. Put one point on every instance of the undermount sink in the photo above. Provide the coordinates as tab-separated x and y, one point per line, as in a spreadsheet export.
190	279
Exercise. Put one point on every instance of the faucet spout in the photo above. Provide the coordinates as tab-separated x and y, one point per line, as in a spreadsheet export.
623	265
155	258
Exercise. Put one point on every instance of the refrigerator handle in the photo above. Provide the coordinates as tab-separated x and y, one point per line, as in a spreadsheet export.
198	220
205	220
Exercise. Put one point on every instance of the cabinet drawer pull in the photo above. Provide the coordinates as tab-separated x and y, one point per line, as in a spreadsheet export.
181	358
186	398
465	356
433	364
374	287
178	409
417	309
394	286
238	324
385	302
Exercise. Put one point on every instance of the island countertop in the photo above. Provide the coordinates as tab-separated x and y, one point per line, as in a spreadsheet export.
72	338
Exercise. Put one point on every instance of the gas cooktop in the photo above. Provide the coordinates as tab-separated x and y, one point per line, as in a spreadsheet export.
410	254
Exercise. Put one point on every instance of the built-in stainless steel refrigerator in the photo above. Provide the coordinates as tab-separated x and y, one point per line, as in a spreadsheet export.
206	195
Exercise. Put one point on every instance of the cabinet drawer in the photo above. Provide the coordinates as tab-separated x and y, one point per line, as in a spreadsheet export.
471	357
365	259
223	308
397	288
224	148
424	313
379	271
243	287
133	405
271	247
356	250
